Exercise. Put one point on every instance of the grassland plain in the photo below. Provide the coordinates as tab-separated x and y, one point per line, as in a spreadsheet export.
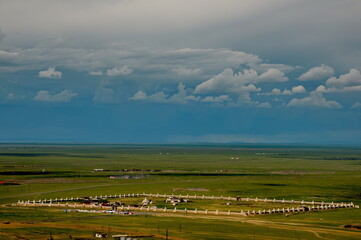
282	172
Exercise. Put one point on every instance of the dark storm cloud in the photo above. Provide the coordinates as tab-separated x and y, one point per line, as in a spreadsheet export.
298	32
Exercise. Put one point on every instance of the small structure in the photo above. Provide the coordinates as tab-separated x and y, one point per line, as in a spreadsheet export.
129	176
146	202
175	200
305	208
100	235
114	206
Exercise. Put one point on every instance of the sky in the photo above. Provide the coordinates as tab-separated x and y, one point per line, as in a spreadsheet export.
180	71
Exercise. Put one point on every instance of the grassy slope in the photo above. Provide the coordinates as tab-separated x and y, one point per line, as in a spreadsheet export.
290	173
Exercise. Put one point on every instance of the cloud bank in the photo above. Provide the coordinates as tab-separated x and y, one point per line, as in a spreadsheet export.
64	96
317	73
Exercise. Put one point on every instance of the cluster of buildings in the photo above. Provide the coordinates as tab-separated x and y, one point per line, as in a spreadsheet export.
175	201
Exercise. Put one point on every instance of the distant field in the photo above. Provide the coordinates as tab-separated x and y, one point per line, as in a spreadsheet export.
283	172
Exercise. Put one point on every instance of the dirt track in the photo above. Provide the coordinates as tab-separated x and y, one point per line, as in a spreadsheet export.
316	231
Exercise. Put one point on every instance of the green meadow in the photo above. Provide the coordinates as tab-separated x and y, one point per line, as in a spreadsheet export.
310	173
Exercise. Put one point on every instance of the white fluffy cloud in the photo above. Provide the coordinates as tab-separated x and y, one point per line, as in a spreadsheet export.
125	70
350	82
274	91
351	89
216	99
264	105
11	96
228	82
298	89
96	73
263	67
64	96
315	100
321	89
348	79
240	84
356	105
50	73
181	97
277	91
294	90
272	75
140	95
156	97
324	89
317	73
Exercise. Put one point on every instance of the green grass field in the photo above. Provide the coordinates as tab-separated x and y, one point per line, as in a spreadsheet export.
281	172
